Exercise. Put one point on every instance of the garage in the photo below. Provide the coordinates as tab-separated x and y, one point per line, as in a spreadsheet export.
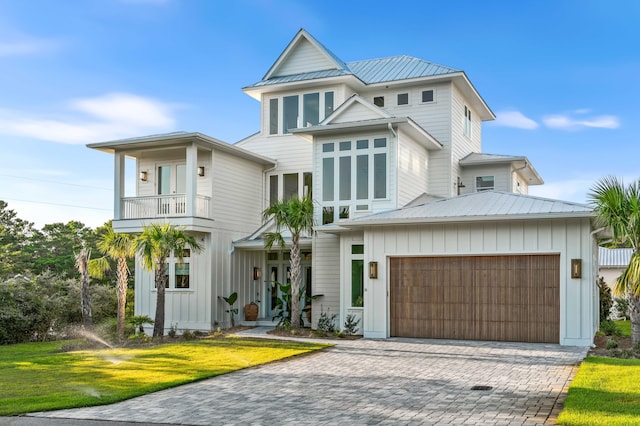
506	298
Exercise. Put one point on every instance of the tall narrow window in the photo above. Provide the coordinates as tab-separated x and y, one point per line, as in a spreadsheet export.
379	175
311	109
273	116
345	178
327	179
273	189
307	181
289	113
357	276
362	177
467	121
290	186
164	180
328	103
182	275
181	179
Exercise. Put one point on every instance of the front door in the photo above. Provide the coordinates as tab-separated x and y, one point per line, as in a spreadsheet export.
172	185
279	271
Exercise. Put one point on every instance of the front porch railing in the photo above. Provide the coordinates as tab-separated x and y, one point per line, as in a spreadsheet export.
164	206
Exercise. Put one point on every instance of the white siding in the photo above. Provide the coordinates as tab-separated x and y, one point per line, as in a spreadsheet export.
249	290
304	58
412	169
460	143
356	112
569	238
519	183
501	177
326	276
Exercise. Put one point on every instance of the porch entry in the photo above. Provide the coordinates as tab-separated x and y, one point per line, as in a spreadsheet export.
172	183
279	271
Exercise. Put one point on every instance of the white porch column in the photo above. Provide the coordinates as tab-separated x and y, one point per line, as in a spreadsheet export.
191	182
118	184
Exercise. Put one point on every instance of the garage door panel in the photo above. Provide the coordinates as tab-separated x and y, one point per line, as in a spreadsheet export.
511	298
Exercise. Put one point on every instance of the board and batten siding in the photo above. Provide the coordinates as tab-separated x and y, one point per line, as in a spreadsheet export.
237	191
305	57
570	238
412	169
325	276
249	290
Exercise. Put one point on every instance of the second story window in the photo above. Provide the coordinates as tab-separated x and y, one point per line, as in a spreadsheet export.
273	116
403	99
467	121
427	96
378	101
484	183
289	113
303	110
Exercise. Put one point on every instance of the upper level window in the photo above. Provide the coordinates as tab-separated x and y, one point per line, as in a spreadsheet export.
467	121
303	110
427	96
290	187
352	175
273	189
378	101
484	183
403	99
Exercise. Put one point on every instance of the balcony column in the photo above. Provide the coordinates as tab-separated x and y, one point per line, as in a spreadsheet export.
118	184
191	182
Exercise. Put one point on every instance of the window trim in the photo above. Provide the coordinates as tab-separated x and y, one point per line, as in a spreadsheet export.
398	99
381	97
322	109
493	187
433	96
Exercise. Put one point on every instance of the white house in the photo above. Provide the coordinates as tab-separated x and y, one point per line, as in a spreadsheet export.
418	233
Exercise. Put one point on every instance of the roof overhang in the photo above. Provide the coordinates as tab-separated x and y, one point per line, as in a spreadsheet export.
132	146
405	124
520	164
291	83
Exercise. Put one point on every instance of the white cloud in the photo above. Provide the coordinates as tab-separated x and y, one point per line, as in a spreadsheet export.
112	116
574	190
514	119
567	122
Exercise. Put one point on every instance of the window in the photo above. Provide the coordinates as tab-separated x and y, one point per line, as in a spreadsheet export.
178	272
327	215
182	275
307	182
403	99
357	276
352	175
289	113
484	183
467	121
273	189
290	186
311	109
328	103
427	96
378	101
273	116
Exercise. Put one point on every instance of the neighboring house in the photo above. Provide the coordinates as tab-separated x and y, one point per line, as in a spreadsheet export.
612	262
418	233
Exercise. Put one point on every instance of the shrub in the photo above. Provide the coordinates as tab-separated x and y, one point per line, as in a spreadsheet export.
24	312
173	330
140	337
612	344
188	335
351	324
609	328
606	302
327	323
622	307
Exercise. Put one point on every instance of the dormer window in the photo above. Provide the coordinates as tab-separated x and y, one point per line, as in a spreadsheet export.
303	110
378	101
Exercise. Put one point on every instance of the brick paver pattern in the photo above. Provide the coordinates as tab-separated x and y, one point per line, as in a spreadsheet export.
393	381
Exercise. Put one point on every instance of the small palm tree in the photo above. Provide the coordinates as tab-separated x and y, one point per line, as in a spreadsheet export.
618	207
119	248
296	215
154	245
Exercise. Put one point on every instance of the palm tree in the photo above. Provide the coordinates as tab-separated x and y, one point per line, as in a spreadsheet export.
119	248
82	260
296	215
618	207
154	245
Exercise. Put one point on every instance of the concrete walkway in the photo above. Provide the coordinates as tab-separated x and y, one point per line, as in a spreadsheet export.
394	381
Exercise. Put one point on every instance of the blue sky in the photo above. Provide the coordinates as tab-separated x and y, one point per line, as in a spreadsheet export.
562	77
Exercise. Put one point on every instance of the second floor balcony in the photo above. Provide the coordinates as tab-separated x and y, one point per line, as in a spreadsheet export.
165	206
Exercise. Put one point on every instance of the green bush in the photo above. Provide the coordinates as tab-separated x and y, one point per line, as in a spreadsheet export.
24	313
612	344
606	301
609	328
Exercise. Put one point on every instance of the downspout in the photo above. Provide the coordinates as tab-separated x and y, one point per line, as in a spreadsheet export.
596	302
526	164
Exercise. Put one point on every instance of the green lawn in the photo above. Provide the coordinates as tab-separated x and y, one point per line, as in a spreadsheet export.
38	377
624	327
605	391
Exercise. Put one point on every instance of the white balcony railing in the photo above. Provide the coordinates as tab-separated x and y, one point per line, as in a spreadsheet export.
163	206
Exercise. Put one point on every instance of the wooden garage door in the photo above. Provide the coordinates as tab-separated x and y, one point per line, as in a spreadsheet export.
508	298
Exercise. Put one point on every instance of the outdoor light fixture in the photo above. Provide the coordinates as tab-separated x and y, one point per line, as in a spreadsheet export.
576	268
256	273
373	270
201	171
143	176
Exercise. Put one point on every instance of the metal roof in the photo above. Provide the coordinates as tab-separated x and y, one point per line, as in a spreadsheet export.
478	206
527	170
614	258
396	68
301	77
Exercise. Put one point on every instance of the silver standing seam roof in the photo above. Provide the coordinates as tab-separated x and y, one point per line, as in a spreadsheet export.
477	206
614	258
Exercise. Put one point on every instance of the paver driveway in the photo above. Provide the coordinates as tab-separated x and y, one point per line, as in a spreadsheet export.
395	381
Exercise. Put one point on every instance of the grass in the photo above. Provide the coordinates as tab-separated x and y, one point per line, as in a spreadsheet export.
38	377
604	392
624	327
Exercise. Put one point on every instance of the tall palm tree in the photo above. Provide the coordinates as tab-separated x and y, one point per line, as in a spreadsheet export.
296	215
82	261
119	248
154	245
618	207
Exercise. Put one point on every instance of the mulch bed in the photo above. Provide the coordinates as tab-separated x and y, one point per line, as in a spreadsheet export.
601	345
314	334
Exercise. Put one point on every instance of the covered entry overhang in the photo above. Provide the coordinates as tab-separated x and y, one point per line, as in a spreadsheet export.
482	266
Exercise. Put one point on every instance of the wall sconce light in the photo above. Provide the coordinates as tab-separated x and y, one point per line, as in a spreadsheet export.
373	270
201	171
576	268
143	176
256	273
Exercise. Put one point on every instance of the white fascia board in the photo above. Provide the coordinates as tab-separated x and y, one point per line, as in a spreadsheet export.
256	92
